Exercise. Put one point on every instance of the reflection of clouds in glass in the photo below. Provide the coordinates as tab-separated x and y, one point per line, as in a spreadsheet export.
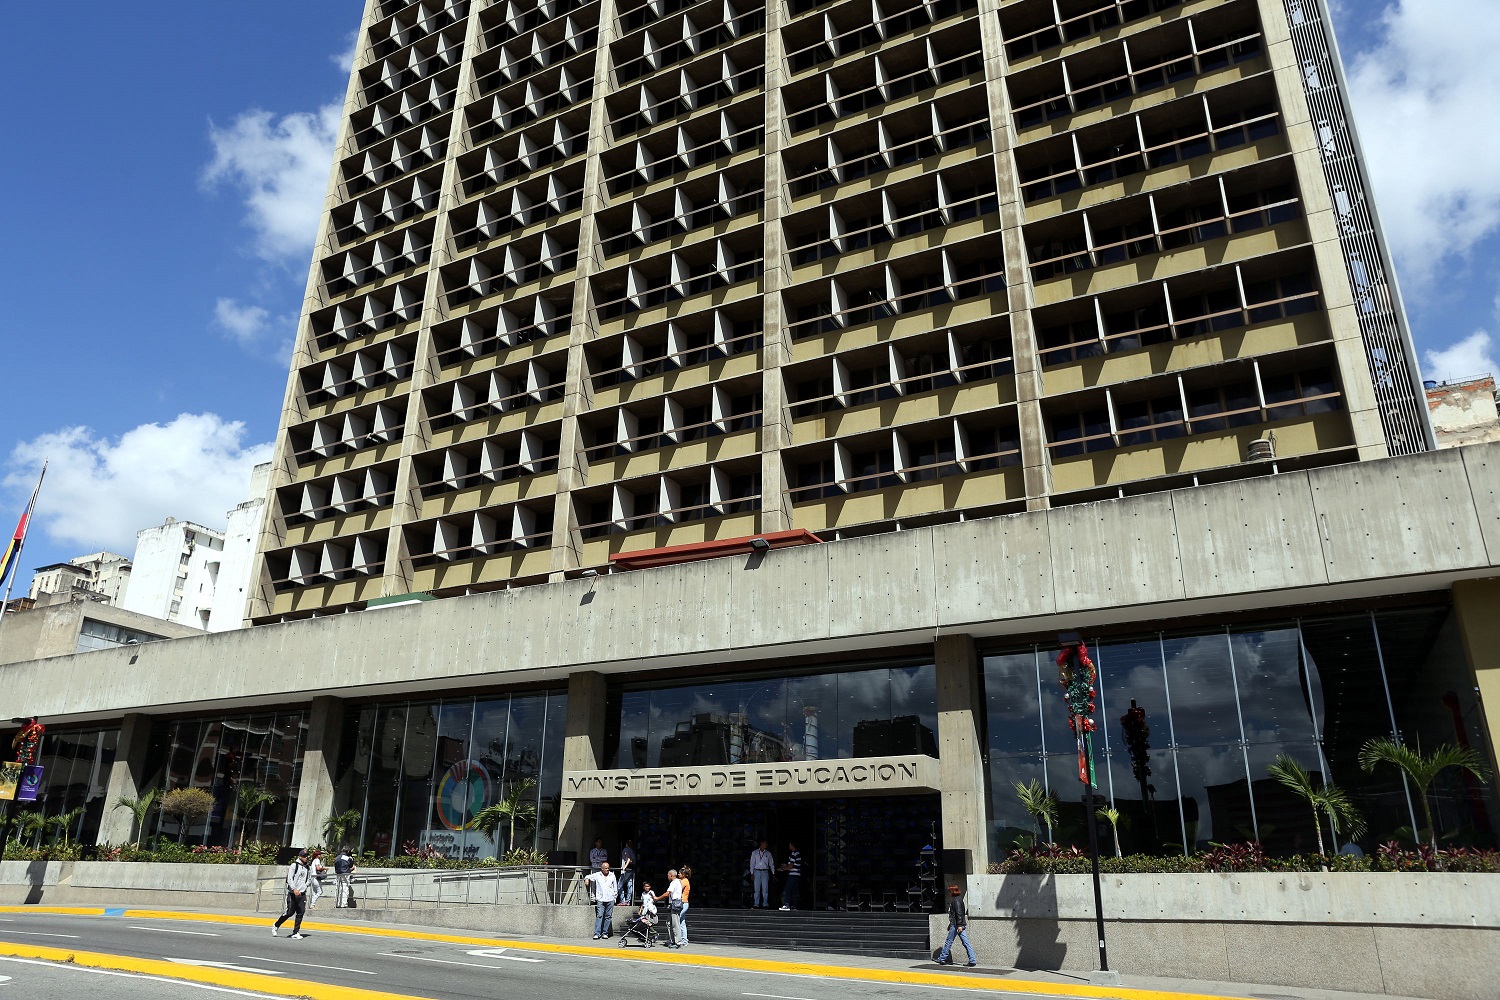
1273	698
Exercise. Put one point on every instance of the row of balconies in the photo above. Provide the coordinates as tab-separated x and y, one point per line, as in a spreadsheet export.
681	38
842	31
1034	26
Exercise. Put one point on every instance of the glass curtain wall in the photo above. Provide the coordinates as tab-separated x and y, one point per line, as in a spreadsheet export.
872	712
75	776
1189	721
419	772
220	755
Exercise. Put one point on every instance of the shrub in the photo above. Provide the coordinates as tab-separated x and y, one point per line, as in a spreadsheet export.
1050	859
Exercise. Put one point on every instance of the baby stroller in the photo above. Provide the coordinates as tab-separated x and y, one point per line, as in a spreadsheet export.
641	930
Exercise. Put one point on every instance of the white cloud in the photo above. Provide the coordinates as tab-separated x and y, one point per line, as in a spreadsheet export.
280	166
1424	100
245	323
345	60
100	491
1471	356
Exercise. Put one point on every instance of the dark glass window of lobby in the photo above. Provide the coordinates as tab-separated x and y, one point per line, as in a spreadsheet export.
219	754
418	772
75	773
763	718
1220	705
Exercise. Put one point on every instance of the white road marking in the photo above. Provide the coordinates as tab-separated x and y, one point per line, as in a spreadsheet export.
774	996
282	961
222	965
440	961
169	930
131	975
45	934
495	953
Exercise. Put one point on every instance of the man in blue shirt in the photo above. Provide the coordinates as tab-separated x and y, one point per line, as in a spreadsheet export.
791	893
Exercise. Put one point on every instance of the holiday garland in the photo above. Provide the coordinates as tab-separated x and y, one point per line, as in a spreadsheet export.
1076	674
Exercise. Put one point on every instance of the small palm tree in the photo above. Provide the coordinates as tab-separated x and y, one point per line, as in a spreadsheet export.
1040	804
1422	770
1322	796
63	822
141	808
29	825
1112	817
337	826
516	807
251	798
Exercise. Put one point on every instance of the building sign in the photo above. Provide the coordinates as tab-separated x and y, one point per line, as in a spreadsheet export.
823	778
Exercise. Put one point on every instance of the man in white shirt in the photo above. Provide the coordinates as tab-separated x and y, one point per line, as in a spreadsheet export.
673	896
298	875
603	887
761	866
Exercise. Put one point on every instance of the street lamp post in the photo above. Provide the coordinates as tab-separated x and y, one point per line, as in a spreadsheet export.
1076	674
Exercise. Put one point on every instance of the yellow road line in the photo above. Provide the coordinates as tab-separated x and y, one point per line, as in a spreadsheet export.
274	985
797	968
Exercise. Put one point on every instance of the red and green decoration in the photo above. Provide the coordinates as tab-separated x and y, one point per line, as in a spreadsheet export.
1076	674
27	742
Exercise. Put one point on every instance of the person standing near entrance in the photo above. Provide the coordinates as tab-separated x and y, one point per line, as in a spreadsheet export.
343	874
958	927
598	856
603	888
762	864
298	874
685	877
673	896
791	893
627	873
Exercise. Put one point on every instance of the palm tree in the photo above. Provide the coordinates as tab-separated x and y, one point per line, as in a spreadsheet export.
1040	804
514	808
1112	817
251	798
29	825
1323	796
337	826
63	821
141	808
1421	770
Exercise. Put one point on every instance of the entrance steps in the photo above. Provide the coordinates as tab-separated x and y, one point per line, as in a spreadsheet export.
838	932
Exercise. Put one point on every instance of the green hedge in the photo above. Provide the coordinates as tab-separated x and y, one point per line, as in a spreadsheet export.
1391	857
169	852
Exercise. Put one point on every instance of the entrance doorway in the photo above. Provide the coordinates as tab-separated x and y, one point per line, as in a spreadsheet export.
877	853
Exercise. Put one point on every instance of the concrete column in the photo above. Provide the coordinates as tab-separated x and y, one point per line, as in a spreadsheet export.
125	776
1475	602
325	726
960	704
583	743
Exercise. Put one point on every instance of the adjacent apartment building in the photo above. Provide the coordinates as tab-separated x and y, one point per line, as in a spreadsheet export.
601	277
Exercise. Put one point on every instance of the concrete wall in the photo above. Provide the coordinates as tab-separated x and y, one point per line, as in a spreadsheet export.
1433	935
154	580
1392	526
232	588
53	630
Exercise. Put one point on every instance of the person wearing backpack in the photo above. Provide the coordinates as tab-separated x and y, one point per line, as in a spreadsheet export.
343	871
298	875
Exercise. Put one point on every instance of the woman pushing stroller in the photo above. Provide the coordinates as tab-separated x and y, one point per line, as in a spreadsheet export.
642	927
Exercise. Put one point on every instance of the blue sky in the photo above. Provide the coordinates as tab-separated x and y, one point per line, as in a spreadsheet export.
166	164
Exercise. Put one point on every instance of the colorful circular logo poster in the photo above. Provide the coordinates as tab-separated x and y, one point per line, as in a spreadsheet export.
462	792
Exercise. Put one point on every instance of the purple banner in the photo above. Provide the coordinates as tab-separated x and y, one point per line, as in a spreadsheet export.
30	783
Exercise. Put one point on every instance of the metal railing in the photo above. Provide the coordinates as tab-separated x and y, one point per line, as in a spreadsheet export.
431	888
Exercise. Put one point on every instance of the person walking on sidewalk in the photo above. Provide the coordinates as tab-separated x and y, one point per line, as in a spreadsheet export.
627	874
791	893
603	888
673	896
298	874
958	927
685	877
343	874
316	869
762	864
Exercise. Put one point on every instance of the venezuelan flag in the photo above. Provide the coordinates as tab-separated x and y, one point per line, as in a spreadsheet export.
18	540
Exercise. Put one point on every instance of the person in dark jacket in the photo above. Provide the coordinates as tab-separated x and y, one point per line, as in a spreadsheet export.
958	927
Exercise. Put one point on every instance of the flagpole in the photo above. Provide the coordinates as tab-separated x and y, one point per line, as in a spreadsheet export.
15	569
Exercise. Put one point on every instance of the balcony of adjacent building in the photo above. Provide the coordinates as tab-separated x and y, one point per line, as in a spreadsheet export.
398	24
900	146
686	152
1035	30
371	317
451	555
318	510
501	22
1180	57
700	349
499	335
694	31
534	75
324	575
931	374
377	212
1195	136
874	303
698	504
558	141
343	442
1259	306
509	397
515	269
517	211
910	74
707	424
1199	422
410	65
1208	222
881	478
513	467
380	261
699	209
699	277
845	30
404	113
720	81
355	378
364	172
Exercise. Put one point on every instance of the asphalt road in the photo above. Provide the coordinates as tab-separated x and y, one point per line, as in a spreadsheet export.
24	977
416	968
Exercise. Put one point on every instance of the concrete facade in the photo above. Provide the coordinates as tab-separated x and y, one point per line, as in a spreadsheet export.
176	572
64	629
241	532
101	576
1463	411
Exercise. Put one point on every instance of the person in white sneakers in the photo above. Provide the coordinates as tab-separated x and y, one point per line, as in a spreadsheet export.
316	870
298	875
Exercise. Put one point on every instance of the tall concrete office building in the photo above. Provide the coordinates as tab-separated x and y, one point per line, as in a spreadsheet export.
597	277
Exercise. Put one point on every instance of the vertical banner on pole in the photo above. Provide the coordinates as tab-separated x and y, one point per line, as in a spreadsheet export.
30	784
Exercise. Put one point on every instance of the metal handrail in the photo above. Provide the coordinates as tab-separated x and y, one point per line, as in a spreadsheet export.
935	209
936	137
933	71
430	888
